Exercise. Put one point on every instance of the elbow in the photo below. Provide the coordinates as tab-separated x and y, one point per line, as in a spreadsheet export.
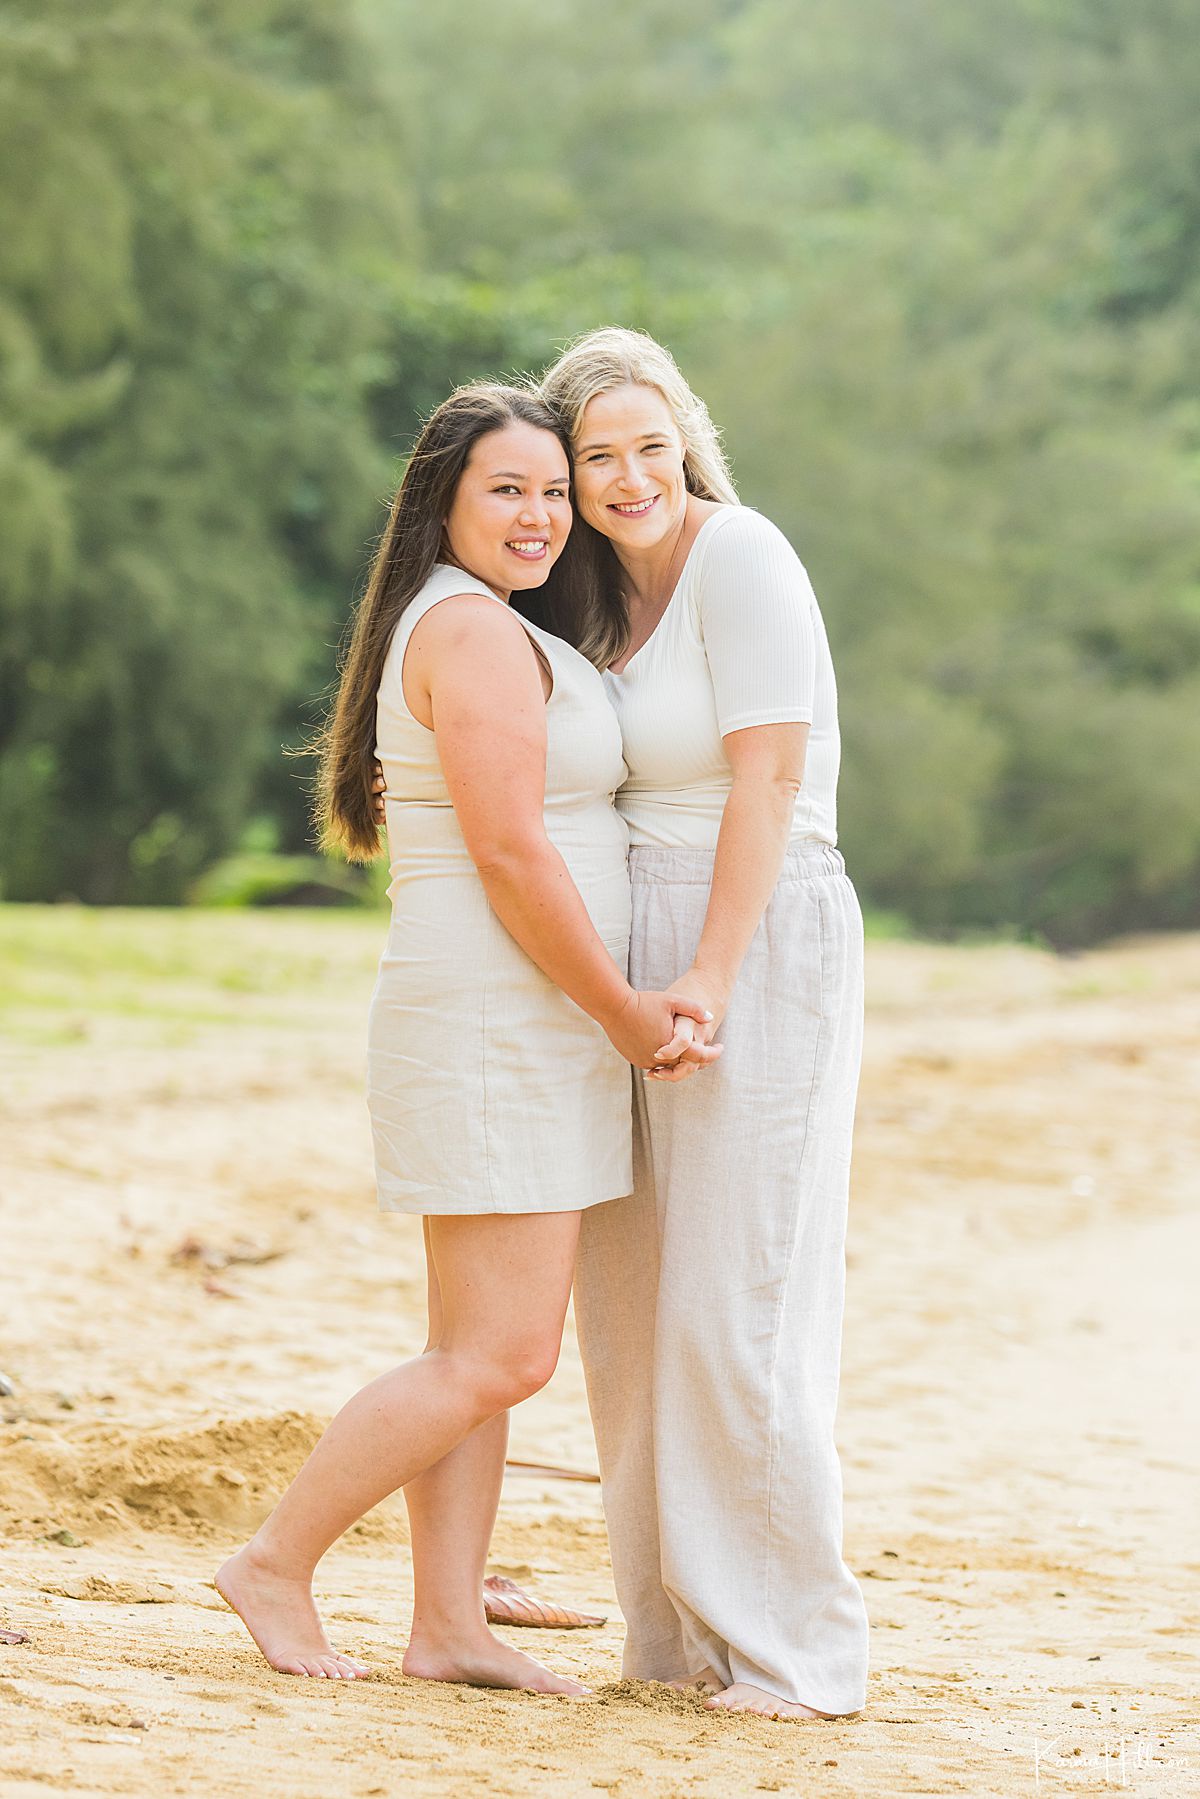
508	855
781	786
785	791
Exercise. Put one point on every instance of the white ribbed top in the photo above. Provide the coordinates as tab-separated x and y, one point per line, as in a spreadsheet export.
741	643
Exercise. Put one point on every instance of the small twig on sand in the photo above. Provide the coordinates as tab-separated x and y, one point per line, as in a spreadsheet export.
552	1473
194	1251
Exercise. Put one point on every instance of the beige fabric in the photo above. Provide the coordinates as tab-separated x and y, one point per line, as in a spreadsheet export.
709	1305
741	643
489	1090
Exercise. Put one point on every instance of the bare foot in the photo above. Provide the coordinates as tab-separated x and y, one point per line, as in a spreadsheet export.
484	1661
280	1615
741	1697
706	1681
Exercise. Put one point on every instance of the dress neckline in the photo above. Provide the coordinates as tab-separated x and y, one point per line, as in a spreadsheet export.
619	674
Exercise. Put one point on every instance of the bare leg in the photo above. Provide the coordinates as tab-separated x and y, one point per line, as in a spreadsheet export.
452	1508
400	1425
452	1512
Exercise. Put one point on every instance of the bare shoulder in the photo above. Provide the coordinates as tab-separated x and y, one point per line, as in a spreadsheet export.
465	619
466	632
475	646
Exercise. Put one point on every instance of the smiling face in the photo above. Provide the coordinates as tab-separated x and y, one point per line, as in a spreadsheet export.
511	510
629	480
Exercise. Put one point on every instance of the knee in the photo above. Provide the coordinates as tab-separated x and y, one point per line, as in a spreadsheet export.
513	1373
527	1368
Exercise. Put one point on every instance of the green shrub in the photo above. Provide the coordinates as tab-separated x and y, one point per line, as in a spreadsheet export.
263	879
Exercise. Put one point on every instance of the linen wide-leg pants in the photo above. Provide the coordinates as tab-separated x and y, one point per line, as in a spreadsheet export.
709	1304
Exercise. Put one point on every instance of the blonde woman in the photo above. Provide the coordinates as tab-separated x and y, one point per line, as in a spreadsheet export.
502	1026
709	1302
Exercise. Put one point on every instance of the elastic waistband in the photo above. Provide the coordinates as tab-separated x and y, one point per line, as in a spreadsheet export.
802	862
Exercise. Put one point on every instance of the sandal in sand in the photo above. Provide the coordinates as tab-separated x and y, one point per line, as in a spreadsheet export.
504	1602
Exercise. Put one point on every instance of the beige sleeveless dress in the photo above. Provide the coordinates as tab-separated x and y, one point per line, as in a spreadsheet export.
489	1090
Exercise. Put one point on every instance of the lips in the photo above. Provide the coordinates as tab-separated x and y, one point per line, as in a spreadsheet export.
633	508
529	549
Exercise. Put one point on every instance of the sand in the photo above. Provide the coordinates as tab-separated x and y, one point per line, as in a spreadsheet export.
193	1277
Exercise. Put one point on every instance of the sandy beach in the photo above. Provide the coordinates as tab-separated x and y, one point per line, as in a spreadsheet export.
193	1276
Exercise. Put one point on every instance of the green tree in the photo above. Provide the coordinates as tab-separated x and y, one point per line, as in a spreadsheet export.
188	331
936	270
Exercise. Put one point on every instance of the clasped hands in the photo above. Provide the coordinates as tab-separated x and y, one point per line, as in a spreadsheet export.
692	1047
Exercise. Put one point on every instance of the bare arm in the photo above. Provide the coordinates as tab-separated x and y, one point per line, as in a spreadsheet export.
760	626
471	673
768	768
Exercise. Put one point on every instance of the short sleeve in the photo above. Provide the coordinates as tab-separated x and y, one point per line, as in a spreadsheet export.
756	614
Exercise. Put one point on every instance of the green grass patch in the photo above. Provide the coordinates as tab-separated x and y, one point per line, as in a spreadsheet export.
64	967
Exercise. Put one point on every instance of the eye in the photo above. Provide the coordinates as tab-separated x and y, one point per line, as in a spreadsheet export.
655	446
556	493
506	487
599	456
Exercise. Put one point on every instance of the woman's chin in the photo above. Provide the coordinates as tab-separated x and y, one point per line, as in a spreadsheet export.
530	574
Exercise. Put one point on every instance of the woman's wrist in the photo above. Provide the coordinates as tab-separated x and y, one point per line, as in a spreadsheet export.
715	979
613	1007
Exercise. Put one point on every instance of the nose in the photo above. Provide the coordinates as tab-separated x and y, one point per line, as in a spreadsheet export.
630	477
535	513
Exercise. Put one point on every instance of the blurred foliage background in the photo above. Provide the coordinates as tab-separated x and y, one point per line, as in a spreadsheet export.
935	268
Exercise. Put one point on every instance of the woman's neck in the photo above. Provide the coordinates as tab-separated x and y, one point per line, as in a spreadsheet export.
501	593
651	575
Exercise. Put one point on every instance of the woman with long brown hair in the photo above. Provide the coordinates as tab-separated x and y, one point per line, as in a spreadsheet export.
502	1026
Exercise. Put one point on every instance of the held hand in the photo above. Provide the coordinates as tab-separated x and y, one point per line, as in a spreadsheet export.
677	1060
378	784
645	1020
690	1052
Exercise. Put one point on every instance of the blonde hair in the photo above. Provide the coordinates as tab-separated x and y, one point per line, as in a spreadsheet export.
616	357
594	615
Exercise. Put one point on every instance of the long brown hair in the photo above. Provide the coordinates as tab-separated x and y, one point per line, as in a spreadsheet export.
408	552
